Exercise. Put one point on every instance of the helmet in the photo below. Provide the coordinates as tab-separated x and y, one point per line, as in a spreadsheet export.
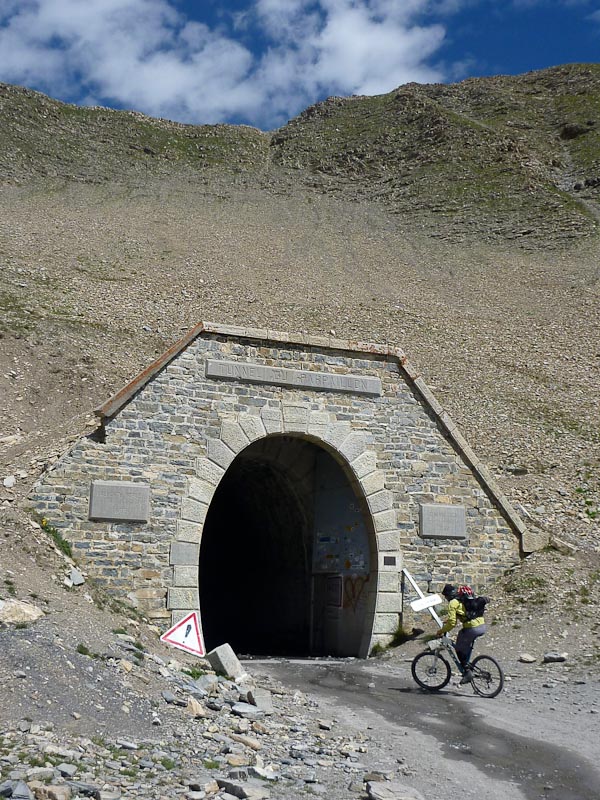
465	591
449	591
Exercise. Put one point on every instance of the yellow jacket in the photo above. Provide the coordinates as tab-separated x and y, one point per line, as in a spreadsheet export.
456	614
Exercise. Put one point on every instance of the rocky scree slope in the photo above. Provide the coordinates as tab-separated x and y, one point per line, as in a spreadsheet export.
496	157
93	705
505	157
119	232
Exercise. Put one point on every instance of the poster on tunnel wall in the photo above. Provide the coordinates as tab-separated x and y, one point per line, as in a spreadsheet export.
341	542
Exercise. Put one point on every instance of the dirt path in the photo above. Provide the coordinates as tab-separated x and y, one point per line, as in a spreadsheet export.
454	744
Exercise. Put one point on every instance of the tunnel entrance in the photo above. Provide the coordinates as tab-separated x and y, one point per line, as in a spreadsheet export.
284	559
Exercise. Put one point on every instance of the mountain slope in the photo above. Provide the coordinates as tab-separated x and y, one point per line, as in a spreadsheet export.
494	156
373	217
489	157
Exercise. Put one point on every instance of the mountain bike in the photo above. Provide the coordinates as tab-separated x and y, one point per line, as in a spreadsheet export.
432	669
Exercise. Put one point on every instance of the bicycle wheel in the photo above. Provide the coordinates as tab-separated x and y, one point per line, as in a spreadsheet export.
430	670
488	678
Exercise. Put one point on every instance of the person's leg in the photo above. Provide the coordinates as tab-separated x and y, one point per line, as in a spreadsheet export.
465	641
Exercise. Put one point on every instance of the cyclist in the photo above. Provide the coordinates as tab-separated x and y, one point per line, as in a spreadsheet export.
471	628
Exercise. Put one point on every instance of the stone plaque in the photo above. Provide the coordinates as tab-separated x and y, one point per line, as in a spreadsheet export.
390	561
294	378
439	521
119	501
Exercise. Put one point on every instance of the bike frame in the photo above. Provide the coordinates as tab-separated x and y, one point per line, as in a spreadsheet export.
446	643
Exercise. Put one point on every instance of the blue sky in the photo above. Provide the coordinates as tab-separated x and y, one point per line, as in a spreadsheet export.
260	62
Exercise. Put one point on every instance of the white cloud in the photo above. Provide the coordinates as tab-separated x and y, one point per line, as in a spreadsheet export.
145	54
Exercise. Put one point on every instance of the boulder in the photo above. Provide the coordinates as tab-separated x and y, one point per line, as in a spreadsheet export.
554	658
392	790
527	658
15	612
225	662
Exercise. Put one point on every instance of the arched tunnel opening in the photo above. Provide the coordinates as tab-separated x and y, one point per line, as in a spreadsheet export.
270	577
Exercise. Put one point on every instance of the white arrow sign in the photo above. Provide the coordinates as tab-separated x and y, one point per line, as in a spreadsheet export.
429	607
426	602
187	635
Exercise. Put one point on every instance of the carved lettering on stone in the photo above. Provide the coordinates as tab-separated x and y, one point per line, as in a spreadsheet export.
120	501
295	378
438	521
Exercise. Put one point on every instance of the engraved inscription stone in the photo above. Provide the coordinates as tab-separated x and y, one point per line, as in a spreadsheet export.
119	501
439	521
294	378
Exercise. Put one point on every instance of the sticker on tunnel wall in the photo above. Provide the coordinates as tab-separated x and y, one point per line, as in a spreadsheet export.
186	635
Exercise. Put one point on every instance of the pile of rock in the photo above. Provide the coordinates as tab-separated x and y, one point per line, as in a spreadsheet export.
219	737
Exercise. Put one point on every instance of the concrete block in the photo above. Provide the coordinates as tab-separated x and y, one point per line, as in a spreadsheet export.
188	531
257	333
317	341
226	330
388	541
389	602
185	576
209	471
252	426
192	510
373	482
225	662
272	420
384	521
389	582
380	501
201	490
295	417
364	463
279	336
318	422
353	446
534	539
385	623
337	433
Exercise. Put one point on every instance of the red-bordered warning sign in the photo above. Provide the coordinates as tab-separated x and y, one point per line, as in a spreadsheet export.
187	635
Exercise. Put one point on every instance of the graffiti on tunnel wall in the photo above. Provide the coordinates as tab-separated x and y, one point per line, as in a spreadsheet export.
354	590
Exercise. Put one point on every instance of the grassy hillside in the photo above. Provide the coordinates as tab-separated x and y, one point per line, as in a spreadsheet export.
490	157
41	137
498	157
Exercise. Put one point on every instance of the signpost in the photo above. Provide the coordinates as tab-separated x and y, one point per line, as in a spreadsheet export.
424	602
186	635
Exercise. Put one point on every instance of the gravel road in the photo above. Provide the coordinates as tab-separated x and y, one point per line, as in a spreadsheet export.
538	739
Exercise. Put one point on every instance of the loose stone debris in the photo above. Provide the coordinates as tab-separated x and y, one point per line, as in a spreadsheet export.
215	738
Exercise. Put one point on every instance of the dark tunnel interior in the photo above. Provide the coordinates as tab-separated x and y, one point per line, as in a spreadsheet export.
255	558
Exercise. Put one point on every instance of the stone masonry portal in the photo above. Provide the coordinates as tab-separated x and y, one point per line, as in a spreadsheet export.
272	521
277	485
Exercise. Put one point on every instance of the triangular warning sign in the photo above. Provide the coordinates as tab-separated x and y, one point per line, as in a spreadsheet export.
186	635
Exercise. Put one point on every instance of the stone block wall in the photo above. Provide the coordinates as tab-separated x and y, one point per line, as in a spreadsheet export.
182	429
